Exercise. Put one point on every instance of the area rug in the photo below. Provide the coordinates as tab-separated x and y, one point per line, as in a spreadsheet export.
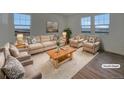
67	70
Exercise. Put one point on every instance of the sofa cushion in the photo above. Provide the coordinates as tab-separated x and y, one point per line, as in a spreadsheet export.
89	45
35	46
14	51
49	43
2	62
45	38
13	68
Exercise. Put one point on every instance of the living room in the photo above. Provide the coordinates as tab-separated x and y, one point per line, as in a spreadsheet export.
111	41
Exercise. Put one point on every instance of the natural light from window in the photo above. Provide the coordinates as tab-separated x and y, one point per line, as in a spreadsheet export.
102	22
86	24
22	22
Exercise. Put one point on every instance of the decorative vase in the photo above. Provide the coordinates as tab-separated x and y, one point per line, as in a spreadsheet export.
57	49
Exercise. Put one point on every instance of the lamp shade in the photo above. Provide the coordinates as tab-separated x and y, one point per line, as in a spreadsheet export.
20	38
64	34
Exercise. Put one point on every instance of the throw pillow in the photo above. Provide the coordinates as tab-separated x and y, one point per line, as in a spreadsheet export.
38	39
29	39
91	39
45	38
13	69
14	51
34	41
56	37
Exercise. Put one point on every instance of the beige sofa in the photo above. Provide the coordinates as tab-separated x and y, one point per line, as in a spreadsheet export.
30	72
43	43
91	44
77	41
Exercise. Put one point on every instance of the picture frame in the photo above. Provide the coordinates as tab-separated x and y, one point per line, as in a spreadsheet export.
52	26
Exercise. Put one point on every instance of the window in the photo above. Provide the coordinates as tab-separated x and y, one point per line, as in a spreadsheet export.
102	23
22	22
86	24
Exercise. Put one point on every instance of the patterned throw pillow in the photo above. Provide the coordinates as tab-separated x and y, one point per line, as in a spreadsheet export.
34	41
14	51
92	40
13	69
29	39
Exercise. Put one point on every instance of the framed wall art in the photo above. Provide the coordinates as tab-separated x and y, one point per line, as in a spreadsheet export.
52	26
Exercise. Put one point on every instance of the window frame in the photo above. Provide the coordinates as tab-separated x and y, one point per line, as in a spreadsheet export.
27	29
108	23
85	24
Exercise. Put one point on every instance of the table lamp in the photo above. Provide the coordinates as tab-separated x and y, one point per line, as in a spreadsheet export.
20	38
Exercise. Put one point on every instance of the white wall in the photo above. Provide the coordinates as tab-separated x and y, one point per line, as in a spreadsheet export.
39	21
114	41
6	29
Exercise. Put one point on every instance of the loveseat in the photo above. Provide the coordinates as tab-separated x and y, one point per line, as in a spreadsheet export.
44	42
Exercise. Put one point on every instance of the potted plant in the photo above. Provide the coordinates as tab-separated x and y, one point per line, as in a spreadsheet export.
68	35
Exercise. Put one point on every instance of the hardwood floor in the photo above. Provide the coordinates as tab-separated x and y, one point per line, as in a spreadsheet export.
93	69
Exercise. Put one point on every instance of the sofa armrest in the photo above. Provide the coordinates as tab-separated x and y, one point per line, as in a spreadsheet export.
23	50
24	57
85	41
97	43
81	40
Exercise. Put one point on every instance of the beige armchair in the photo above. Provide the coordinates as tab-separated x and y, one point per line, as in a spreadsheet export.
92	44
77	41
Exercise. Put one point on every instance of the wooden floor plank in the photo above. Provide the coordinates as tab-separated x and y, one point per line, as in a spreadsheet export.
93	70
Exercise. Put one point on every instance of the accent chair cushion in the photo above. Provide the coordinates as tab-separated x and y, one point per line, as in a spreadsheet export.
14	51
13	68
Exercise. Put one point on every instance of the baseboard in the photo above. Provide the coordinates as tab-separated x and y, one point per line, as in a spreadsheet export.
114	53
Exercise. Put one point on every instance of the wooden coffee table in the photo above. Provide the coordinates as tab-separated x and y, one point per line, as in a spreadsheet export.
58	58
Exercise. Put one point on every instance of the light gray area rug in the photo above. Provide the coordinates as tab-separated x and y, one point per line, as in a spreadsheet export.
65	71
